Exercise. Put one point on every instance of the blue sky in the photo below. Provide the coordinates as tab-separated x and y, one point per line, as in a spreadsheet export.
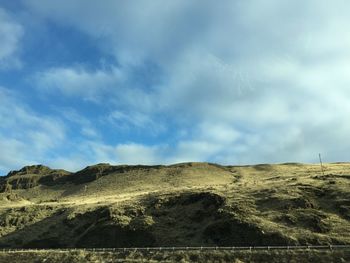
160	82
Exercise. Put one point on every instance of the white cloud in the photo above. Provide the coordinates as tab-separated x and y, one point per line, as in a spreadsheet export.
11	33
134	31
271	77
95	151
135	120
89	132
205	143
26	137
87	127
195	151
12	154
78	82
136	154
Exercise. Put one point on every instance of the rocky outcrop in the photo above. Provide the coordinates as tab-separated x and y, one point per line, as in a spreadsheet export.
93	172
31	176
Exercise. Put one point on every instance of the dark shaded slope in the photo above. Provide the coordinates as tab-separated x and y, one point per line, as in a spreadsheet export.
189	218
91	173
31	176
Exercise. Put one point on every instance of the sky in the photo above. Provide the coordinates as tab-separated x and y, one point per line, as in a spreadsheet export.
168	81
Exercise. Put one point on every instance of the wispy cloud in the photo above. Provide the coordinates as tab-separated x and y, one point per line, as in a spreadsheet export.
89	85
86	126
11	33
25	136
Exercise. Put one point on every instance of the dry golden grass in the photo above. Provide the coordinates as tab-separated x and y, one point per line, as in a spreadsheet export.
190	204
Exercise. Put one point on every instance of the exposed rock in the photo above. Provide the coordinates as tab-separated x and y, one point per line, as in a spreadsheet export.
31	176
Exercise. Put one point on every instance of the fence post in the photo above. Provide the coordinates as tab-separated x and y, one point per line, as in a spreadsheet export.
322	170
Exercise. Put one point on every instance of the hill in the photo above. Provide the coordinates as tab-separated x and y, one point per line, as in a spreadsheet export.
188	204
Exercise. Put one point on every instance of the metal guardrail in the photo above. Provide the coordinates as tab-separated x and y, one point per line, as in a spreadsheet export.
232	249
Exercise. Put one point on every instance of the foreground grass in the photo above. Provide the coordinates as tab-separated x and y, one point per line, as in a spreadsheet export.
177	256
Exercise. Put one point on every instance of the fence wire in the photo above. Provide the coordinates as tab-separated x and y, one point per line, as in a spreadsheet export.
233	248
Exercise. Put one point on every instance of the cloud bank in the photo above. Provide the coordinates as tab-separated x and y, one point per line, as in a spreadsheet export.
240	82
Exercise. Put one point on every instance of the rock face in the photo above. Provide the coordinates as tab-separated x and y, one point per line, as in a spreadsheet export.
31	176
34	175
32	169
93	172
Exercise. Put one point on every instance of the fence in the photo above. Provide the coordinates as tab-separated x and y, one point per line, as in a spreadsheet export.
246	248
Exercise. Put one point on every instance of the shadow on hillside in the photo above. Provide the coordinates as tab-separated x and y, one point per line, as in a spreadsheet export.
185	219
192	220
42	234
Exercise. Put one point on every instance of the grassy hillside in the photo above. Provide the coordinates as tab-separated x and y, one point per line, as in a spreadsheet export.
190	204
